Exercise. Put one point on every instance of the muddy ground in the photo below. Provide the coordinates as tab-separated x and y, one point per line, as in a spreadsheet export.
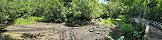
57	31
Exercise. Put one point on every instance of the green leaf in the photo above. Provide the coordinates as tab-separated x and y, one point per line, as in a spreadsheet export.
121	38
110	38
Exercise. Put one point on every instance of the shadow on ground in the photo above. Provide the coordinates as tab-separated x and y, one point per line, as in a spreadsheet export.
2	30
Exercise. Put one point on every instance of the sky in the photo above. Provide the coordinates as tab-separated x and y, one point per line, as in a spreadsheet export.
103	1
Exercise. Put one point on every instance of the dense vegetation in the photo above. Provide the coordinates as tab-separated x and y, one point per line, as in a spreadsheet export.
76	11
50	10
69	10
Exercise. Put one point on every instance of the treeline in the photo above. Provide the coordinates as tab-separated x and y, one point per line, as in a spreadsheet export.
149	9
50	10
123	9
78	10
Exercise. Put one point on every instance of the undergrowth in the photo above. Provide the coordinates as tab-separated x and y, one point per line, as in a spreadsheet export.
124	27
107	22
29	20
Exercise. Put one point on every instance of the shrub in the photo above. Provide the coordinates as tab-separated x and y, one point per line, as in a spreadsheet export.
88	8
127	28
14	9
54	11
82	10
3	17
51	10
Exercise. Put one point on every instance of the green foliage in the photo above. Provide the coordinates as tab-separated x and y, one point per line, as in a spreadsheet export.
17	8
130	30
21	21
113	9
88	8
3	17
51	10
122	17
155	10
150	9
121	38
127	28
57	10
107	22
137	34
76	11
30	20
83	10
54	10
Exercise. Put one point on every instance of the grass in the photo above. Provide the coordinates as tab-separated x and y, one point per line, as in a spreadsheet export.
107	22
29	20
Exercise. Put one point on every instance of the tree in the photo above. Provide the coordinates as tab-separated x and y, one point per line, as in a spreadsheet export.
88	8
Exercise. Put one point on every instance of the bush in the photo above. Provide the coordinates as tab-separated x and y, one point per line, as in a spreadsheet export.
113	9
88	8
127	28
54	11
3	17
51	10
82	11
14	9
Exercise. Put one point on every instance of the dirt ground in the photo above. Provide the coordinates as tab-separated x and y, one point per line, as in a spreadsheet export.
57	31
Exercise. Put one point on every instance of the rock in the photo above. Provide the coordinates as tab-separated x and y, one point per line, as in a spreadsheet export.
152	33
91	30
98	33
